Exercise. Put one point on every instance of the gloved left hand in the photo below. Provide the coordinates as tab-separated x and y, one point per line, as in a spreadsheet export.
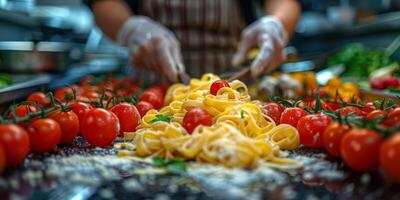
153	46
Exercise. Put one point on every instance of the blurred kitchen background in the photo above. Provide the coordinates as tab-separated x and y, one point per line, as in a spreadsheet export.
327	25
59	37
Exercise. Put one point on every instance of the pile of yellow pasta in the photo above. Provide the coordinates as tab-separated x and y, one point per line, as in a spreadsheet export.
241	134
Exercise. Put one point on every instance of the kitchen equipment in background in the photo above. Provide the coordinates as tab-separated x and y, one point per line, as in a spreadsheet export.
26	57
298	66
73	22
393	49
18	5
23	85
343	15
312	23
325	75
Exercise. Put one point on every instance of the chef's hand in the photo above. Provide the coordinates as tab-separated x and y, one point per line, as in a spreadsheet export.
268	34
152	45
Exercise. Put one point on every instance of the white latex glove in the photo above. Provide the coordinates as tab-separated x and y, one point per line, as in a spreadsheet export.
152	45
268	34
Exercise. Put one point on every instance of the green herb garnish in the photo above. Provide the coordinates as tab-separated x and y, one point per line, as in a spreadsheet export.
242	114
162	118
173	166
158	162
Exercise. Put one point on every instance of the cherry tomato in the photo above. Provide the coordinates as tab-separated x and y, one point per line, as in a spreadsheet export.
40	98
350	110
158	88
332	137
359	149
100	127
376	114
393	118
3	162
64	94
128	116
122	93
69	124
311	103
155	90
82	99
368	107
216	85
154	98
45	134
196	117
389	157
334	106
281	107
292	115
143	107
91	94
15	141
163	86
80	109
311	128
130	90
23	110
107	86
274	111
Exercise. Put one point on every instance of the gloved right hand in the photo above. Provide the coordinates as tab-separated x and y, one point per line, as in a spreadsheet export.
269	35
152	45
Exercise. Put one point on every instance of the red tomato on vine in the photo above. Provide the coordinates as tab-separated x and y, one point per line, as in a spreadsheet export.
69	124
360	149
311	128
100	127
15	142
45	134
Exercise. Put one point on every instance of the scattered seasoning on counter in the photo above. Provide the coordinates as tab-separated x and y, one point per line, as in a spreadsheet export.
106	193
315	166
242	183
288	193
365	178
132	185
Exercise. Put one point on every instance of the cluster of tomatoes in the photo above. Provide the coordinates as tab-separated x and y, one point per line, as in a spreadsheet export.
98	110
365	136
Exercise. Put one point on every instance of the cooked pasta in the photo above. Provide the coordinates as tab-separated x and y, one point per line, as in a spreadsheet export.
241	134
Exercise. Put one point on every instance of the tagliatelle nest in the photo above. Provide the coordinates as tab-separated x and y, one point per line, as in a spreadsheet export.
241	134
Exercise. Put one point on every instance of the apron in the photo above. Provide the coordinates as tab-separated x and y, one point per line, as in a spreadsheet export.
208	31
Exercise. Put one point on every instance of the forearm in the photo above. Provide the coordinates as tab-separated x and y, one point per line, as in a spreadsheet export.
287	11
110	15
